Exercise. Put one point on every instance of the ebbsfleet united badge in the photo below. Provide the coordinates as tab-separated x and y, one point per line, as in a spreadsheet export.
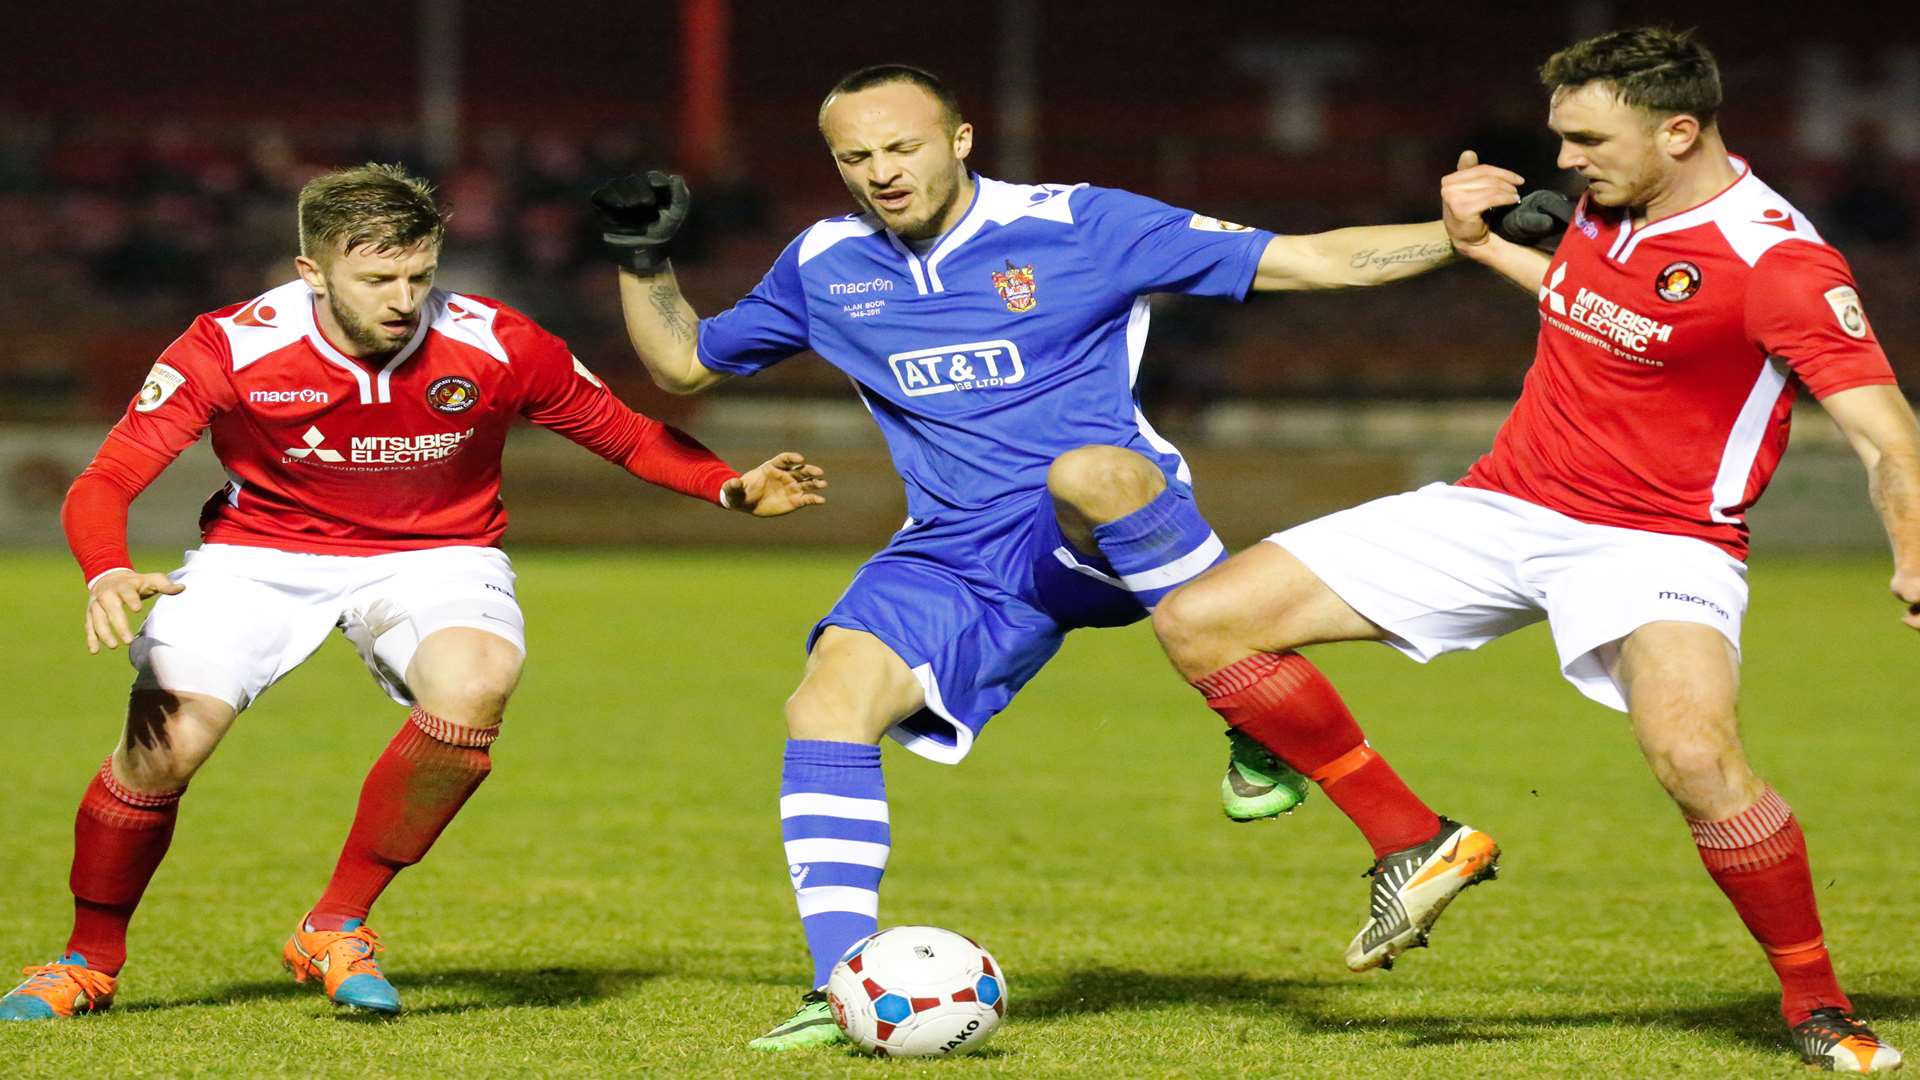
1016	286
453	394
1679	281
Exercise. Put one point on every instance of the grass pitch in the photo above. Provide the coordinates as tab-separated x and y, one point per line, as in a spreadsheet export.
614	900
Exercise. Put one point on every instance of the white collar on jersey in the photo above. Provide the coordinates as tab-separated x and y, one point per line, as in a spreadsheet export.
993	201
373	389
1698	214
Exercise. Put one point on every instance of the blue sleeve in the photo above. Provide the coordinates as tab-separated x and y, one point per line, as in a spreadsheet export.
1148	246
764	328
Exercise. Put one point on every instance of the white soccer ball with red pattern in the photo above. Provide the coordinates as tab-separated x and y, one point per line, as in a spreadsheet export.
917	991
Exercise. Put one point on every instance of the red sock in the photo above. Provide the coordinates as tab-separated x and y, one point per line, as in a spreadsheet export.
119	838
1283	703
1758	857
421	780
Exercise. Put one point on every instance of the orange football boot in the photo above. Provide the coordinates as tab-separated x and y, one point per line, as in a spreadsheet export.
344	961
66	987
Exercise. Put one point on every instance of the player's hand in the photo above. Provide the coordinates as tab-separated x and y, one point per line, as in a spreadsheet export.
1907	588
639	216
1539	215
1469	192
112	597
780	485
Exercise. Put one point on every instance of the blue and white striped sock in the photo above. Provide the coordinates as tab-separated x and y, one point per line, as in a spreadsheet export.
1160	546
833	816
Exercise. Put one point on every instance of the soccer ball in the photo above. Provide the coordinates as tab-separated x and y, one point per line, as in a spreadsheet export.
917	991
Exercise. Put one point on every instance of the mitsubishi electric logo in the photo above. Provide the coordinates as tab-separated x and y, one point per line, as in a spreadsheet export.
313	449
381	449
1554	300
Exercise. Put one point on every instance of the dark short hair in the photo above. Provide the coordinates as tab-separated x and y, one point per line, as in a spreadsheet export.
380	206
882	74
1654	69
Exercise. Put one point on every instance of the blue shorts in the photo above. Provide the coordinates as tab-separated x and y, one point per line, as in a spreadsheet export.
976	605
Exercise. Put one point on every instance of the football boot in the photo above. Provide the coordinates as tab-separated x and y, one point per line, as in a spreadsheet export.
1412	886
1258	785
345	962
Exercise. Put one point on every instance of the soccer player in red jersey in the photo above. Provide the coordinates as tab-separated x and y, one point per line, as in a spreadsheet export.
360	414
1686	306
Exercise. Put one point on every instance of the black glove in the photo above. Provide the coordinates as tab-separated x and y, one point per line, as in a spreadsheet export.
639	215
1540	215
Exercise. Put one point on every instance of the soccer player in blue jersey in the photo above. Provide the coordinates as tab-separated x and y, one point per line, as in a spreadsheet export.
994	330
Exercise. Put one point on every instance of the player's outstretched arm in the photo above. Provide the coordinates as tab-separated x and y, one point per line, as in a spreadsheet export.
780	485
639	217
1345	258
1879	423
112	596
1466	194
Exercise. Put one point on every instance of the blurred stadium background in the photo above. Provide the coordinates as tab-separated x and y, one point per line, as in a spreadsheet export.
148	159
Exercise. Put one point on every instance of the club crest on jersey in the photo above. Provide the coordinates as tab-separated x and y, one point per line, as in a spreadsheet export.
1677	282
1016	286
161	382
453	394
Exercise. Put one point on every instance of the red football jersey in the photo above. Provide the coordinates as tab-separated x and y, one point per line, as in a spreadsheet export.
330	454
1669	357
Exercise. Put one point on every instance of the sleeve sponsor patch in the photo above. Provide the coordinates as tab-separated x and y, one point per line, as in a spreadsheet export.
1213	224
1846	307
584	373
161	382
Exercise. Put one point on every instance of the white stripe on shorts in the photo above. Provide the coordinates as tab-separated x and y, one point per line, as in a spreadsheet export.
816	804
827	849
823	898
1181	569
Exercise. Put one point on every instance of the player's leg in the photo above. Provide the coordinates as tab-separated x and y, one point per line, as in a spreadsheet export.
1681	681
445	635
1232	634
833	806
120	835
1114	501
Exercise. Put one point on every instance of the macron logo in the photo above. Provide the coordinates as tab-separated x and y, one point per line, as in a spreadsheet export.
799	874
313	449
1555	300
855	288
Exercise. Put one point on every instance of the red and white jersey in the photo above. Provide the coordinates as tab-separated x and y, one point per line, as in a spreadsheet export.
1669	357
330	454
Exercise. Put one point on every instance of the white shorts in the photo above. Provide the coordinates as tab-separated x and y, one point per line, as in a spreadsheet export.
1449	568
250	615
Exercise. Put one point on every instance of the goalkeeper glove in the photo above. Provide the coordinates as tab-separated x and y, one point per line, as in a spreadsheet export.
1540	215
639	215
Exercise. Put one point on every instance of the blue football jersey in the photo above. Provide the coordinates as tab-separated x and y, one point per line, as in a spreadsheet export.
1015	338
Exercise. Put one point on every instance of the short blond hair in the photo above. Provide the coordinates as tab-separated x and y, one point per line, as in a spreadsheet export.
384	207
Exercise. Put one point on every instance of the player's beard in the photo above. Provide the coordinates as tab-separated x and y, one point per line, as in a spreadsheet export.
364	336
937	200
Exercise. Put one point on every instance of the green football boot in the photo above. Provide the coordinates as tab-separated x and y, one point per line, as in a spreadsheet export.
1258	785
812	1025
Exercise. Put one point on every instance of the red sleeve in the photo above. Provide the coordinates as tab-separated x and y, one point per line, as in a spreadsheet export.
561	394
1802	306
185	390
94	514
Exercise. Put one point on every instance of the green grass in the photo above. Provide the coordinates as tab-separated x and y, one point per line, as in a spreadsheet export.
614	899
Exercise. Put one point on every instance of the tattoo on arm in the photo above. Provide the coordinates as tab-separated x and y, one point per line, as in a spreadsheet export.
666	301
1412	255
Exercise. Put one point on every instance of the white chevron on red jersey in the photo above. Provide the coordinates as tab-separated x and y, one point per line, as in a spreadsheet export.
1669	357
330	454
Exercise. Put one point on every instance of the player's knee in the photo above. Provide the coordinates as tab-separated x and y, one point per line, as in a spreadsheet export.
1189	623
1694	769
168	737
465	677
813	713
1104	483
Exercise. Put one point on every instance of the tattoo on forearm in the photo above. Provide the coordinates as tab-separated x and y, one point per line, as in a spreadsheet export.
1421	255
666	301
